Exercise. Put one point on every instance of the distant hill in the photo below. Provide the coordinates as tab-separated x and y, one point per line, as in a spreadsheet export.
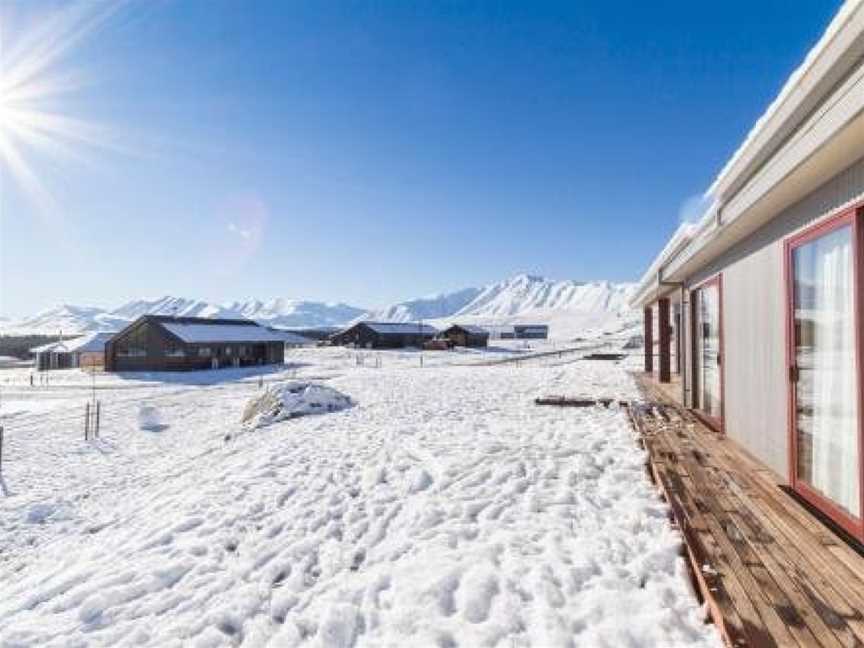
569	307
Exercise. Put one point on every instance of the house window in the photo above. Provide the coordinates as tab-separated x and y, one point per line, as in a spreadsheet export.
823	373
175	351
130	352
204	352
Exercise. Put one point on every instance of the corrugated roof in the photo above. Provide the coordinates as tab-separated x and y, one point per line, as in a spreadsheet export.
400	328
206	333
91	343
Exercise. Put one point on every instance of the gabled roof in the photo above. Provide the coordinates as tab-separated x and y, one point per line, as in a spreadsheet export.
205	332
394	328
471	329
90	343
401	328
58	346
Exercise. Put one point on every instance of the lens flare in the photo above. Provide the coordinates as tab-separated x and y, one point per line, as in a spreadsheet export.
33	84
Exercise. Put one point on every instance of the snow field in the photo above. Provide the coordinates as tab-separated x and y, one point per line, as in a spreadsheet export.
443	509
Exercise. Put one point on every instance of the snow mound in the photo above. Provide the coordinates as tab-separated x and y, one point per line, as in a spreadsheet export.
287	400
149	418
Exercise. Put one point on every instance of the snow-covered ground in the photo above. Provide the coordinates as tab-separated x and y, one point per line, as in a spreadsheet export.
442	509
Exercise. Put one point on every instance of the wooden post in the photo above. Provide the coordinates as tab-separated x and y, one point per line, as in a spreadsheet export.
665	340
98	408
86	421
648	327
1	449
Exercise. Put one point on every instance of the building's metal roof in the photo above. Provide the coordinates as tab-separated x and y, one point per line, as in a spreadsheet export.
200	332
58	346
539	327
90	343
401	328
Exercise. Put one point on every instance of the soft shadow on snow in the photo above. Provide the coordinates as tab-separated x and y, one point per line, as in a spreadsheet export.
206	377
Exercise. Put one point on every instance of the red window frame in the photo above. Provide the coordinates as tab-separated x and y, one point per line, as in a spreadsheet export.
716	424
852	216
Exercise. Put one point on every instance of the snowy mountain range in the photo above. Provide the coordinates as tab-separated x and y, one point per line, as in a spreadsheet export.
569	307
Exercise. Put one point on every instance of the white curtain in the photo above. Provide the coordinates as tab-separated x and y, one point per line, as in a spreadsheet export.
834	424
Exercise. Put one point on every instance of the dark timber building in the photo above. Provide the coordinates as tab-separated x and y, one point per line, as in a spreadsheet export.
384	335
165	343
466	335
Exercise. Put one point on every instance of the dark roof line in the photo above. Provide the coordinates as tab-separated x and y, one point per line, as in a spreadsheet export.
200	320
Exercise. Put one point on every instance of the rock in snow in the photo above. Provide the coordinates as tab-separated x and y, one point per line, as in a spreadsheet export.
292	399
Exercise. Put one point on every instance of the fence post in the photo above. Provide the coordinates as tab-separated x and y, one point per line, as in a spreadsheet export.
86	421
98	408
1	449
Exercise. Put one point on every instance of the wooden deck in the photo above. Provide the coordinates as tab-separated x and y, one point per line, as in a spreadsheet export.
771	572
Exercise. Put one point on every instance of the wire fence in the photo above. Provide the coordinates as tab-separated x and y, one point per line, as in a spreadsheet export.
89	410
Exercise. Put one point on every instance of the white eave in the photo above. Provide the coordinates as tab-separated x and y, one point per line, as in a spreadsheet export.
811	132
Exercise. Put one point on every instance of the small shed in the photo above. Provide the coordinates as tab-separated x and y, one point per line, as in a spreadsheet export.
85	352
384	335
531	331
467	335
53	355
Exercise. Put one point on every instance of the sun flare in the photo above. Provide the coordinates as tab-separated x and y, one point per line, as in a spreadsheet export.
33	85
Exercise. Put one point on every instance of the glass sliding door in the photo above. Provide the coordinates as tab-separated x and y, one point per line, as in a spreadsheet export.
823	372
708	352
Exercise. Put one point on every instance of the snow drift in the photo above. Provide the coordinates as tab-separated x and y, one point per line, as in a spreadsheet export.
288	400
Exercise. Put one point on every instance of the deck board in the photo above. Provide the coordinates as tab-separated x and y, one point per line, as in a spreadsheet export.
771	572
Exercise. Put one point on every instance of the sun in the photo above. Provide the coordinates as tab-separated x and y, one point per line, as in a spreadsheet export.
34	81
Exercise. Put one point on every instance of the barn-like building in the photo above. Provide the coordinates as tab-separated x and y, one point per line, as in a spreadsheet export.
384	335
467	335
165	343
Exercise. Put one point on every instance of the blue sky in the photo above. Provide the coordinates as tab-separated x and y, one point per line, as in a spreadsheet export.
374	151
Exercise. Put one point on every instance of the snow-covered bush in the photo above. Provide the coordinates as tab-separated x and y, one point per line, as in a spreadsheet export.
291	399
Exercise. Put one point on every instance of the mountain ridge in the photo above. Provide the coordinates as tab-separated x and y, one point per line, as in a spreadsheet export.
567	304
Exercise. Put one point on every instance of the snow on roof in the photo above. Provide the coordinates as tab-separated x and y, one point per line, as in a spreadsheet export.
202	333
51	346
837	23
90	343
473	329
400	328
